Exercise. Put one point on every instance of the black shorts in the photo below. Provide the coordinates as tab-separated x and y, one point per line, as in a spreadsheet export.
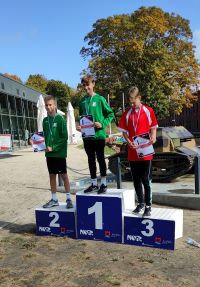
56	165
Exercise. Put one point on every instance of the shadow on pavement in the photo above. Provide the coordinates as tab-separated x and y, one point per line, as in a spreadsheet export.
8	155
18	228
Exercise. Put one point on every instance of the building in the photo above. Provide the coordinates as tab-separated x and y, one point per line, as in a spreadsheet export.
18	110
189	118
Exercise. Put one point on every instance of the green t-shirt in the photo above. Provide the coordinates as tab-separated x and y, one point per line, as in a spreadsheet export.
55	133
100	110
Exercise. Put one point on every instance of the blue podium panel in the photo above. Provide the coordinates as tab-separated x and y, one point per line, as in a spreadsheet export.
159	230
55	221
99	217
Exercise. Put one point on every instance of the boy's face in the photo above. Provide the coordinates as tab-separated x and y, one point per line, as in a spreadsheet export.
89	88
50	107
134	100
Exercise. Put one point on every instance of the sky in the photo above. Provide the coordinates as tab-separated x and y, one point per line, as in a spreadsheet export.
46	36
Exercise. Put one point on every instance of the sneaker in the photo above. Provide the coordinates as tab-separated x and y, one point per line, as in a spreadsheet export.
102	189
51	203
138	208
147	211
69	204
91	188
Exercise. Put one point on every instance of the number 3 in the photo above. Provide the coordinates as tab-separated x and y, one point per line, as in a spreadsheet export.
149	225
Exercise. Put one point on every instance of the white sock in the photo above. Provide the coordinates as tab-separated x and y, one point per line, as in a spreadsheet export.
54	196
68	195
103	180
94	181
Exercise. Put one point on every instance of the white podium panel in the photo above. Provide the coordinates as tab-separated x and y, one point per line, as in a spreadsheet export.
55	221
159	230
99	216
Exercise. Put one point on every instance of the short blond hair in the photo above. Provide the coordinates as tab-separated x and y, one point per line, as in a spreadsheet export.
49	98
133	91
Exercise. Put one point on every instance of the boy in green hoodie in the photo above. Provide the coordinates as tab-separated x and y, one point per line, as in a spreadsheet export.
96	107
55	134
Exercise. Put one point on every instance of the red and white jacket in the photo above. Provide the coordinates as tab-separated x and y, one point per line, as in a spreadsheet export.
135	123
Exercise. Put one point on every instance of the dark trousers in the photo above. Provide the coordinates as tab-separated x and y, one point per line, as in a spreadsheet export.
141	174
95	148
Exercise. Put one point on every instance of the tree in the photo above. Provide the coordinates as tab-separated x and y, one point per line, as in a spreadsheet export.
148	48
14	77
61	91
38	82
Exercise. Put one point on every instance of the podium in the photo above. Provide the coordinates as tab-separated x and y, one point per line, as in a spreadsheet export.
99	216
57	221
108	217
160	230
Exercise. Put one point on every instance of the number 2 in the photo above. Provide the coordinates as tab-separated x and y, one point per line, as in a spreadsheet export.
54	221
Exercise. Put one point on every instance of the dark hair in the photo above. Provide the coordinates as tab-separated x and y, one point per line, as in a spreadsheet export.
87	79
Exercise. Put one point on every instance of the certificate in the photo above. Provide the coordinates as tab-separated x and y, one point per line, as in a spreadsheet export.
144	147
87	126
37	141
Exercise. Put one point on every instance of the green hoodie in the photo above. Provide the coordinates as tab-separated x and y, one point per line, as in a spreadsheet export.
100	110
55	133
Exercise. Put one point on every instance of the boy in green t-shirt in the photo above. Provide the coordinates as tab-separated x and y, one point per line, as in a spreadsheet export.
55	134
95	108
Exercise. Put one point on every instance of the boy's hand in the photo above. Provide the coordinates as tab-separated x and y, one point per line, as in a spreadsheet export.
48	149
132	145
98	125
152	139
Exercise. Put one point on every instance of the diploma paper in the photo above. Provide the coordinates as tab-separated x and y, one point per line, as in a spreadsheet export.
37	141
144	148
87	126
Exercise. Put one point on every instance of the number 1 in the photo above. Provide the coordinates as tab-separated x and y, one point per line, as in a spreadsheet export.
97	209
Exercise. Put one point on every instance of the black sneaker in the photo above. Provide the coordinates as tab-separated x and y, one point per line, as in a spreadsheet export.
138	208
147	211
91	188
102	189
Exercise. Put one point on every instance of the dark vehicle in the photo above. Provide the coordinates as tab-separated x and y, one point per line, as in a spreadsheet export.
175	151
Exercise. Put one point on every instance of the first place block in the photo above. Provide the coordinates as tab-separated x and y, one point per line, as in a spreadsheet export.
55	221
99	217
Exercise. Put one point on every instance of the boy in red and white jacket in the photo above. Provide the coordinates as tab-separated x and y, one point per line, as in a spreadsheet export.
139	120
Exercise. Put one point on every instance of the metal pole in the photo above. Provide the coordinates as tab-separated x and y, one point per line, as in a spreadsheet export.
197	174
118	173
110	130
123	105
60	181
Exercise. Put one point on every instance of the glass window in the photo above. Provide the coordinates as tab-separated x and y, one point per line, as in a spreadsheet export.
35	110
11	102
21	127
2	86
18	92
25	106
6	125
19	106
33	125
30	109
14	128
3	103
1	127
